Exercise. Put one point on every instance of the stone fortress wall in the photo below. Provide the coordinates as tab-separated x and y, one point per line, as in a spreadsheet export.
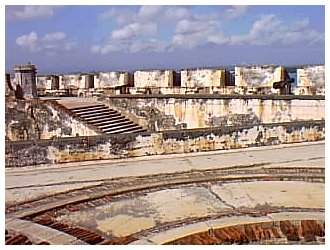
245	80
161	113
37	120
118	146
311	80
167	117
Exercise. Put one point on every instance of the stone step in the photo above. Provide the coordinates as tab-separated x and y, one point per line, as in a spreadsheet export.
82	112
98	113
109	125
127	130
138	130
103	118
90	107
108	120
119	127
99	117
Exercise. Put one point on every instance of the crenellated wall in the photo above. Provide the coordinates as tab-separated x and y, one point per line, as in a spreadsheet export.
197	78
153	78
258	76
167	113
169	142
311	80
110	79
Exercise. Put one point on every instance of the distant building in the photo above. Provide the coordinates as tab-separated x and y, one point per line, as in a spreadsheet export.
25	77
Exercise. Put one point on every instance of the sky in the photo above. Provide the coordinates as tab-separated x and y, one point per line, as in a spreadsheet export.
104	38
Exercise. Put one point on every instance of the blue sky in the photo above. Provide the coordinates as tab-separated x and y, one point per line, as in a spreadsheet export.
88	38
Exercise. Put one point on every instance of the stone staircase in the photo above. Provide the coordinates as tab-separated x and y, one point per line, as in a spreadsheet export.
107	120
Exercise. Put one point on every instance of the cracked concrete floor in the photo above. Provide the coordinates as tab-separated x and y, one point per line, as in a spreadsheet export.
126	216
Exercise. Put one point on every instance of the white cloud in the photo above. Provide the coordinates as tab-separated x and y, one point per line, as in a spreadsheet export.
270	30
139	30
196	31
177	13
29	12
122	16
50	42
56	36
152	45
29	41
192	26
133	30
235	11
149	12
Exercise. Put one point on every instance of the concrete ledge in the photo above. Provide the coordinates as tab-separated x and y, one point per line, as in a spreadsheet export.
217	96
166	134
38	233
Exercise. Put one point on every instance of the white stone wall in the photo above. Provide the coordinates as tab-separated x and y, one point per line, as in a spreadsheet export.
70	81
110	79
44	82
311	77
153	79
202	78
202	113
257	76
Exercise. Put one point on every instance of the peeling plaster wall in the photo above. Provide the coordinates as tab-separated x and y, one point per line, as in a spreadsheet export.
33	120
153	79
202	78
110	79
258	76
311	80
133	145
160	114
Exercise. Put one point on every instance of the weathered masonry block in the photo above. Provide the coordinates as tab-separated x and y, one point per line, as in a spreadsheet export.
258	78
311	80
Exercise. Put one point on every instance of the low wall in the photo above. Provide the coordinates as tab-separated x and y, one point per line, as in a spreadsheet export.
40	119
169	142
168	112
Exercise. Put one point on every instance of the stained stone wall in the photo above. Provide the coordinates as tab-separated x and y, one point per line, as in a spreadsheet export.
33	120
110	79
197	78
311	80
169	142
258	76
153	78
168	113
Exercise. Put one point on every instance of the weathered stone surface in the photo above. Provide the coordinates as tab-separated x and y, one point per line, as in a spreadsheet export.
153	78
132	145
175	113
258	76
282	232
311	80
202	78
110	79
33	120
